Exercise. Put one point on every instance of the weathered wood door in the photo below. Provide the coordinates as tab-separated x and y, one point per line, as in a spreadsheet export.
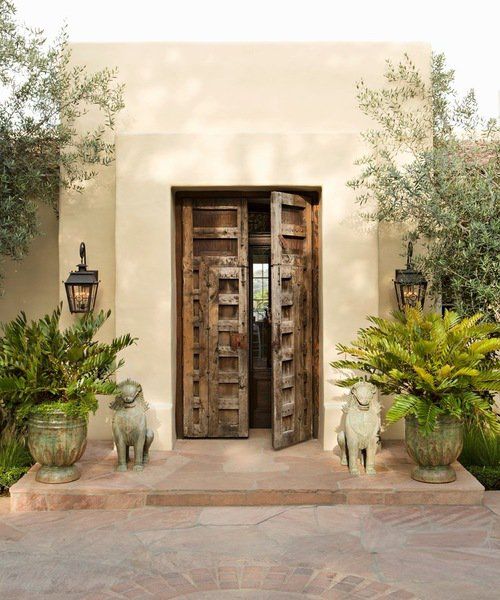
291	306
215	318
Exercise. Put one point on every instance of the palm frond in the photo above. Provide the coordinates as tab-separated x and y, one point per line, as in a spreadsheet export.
450	364
42	365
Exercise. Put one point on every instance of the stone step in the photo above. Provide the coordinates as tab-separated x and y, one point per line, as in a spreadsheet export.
240	473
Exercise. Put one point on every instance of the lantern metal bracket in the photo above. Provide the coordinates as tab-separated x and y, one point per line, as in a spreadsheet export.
409	255
83	255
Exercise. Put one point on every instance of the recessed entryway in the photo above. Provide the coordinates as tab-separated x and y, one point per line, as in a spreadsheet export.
247	308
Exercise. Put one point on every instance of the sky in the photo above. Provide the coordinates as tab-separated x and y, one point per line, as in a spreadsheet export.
467	32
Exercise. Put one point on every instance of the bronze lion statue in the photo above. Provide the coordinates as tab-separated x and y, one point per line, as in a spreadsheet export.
130	426
362	427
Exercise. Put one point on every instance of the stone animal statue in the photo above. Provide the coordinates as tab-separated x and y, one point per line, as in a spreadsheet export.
362	427
129	425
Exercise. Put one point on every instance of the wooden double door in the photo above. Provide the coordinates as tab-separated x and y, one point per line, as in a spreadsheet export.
218	319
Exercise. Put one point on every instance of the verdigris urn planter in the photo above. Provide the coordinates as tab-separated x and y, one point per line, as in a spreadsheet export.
436	451
57	441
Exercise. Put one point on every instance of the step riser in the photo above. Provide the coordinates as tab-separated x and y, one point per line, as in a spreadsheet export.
52	501
240	473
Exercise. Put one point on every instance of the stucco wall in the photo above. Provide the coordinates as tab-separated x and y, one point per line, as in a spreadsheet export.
217	115
32	284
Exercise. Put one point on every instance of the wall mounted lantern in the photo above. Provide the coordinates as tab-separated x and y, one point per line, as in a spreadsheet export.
410	285
81	286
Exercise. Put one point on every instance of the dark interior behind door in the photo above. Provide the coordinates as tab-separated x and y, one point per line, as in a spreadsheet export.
260	384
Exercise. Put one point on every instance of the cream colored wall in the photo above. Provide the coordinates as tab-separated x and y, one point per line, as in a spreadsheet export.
32	284
226	115
232	87
149	166
90	217
391	250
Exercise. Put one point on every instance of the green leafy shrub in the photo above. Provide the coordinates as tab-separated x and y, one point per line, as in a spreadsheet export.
480	448
481	456
434	365
8	477
14	453
44	368
15	459
488	476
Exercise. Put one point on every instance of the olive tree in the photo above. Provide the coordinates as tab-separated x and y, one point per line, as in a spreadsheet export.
42	95
434	164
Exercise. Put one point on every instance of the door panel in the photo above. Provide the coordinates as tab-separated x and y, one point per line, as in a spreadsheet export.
215	357
291	301
227	351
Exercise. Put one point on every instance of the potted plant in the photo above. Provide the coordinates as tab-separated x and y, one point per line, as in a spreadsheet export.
49	379
442	371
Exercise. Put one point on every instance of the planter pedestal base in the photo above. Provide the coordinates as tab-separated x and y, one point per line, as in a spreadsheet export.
442	474
47	474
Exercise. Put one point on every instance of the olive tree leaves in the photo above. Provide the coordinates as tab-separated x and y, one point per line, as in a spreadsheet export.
433	365
42	96
433	164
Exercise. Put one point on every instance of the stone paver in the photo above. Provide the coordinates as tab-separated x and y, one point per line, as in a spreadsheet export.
492	501
330	552
4	504
240	473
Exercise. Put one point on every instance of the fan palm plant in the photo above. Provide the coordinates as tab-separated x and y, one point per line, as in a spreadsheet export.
434	365
43	368
442	372
49	381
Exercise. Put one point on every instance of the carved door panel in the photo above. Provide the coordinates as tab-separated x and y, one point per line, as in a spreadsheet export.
214	315
291	302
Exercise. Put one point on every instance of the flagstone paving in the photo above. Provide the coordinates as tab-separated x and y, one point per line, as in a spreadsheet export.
262	552
240	473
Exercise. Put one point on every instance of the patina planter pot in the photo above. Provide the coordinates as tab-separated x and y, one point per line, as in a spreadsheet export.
57	442
435	452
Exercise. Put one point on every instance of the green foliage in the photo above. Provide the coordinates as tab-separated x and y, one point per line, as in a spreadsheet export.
488	476
434	165
43	368
13	451
41	98
433	365
9	476
480	448
15	459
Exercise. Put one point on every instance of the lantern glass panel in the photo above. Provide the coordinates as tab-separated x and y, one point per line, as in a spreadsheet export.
81	294
81	297
410	294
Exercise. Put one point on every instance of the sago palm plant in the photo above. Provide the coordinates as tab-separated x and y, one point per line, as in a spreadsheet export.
43	368
433	365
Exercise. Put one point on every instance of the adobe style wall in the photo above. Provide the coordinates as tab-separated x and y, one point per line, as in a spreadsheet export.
215	115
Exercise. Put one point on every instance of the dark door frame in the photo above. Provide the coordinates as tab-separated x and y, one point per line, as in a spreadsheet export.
252	193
